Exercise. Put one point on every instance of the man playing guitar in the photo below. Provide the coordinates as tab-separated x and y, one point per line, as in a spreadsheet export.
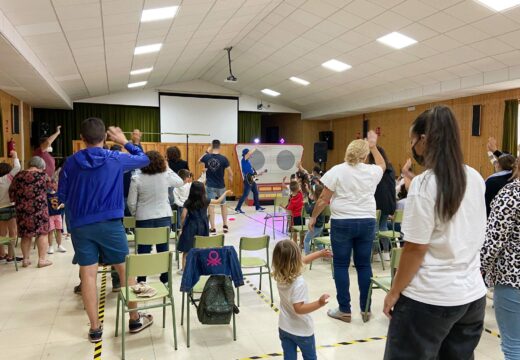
249	181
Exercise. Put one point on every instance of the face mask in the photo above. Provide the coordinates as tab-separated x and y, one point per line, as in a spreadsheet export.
49	149
417	157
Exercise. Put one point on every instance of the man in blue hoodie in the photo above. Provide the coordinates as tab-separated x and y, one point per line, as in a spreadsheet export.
91	187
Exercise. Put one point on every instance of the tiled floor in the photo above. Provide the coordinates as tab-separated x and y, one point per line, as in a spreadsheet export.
41	318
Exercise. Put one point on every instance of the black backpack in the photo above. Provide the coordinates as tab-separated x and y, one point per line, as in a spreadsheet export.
217	302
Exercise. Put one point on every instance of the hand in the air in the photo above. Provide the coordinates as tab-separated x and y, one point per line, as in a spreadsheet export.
372	139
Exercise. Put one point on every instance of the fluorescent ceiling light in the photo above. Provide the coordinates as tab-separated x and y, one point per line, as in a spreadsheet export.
499	5
270	92
137	84
336	65
396	40
159	13
299	81
141	71
145	49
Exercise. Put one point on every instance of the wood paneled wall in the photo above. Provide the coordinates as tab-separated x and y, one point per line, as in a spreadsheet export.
195	151
22	139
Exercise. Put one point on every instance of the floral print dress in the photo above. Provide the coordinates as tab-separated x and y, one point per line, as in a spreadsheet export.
29	193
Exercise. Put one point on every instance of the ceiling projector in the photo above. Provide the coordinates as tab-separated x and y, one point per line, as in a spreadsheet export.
231	78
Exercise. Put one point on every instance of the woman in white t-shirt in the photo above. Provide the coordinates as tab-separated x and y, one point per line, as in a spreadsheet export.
350	188
438	298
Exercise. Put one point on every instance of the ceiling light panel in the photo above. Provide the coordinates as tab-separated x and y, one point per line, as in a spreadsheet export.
499	5
397	40
270	92
336	65
159	14
146	49
137	84
299	81
141	71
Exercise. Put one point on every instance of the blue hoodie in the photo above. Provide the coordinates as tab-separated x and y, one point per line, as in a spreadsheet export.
91	183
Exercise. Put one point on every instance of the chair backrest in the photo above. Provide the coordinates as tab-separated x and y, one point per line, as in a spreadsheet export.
378	216
254	243
395	257
326	211
398	216
280	201
152	236
129	222
204	242
148	264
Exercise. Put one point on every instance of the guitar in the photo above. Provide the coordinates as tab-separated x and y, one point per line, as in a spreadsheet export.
252	178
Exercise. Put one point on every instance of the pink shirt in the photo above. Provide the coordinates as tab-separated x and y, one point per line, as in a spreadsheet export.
50	163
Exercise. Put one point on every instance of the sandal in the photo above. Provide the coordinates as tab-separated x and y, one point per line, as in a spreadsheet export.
339	315
26	263
212	231
226	229
44	263
144	321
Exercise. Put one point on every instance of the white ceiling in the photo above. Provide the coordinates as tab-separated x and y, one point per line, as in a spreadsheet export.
87	47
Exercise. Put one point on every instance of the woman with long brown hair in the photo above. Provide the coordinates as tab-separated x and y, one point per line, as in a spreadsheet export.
437	300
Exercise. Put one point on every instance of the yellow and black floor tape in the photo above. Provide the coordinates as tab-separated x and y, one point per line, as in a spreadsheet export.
343	343
98	347
264	297
494	333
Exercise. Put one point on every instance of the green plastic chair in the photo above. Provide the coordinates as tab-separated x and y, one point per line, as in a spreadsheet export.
278	214
392	234
326	243
174	235
201	242
377	245
146	264
129	224
151	236
383	282
10	242
255	244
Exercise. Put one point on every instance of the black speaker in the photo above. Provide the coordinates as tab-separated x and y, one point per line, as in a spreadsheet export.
328	137
39	130
365	129
320	152
475	124
15	119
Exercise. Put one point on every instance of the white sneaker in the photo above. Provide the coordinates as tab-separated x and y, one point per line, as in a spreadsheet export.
51	250
376	258
61	249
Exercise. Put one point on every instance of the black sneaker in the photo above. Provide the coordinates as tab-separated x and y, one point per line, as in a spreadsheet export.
95	335
9	260
77	289
239	211
260	209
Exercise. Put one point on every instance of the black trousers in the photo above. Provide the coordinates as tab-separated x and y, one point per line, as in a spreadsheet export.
421	331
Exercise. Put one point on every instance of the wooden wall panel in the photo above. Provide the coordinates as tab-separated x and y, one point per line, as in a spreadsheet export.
195	151
6	101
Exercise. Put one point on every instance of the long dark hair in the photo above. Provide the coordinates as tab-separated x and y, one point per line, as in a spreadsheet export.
197	198
372	161
173	153
443	155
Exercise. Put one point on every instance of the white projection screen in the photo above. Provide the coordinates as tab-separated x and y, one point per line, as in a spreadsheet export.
198	114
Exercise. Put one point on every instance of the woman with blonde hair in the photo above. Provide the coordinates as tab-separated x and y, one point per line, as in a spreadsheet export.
350	188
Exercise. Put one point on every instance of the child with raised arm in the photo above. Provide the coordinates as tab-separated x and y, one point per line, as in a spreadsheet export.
195	218
295	324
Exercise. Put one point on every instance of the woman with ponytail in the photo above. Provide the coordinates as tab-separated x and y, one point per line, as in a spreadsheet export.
437	300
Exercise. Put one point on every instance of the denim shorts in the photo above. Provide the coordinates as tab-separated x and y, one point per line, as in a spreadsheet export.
7	213
104	241
215	193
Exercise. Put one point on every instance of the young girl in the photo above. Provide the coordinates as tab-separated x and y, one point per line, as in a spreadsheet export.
195	218
320	220
295	325
295	206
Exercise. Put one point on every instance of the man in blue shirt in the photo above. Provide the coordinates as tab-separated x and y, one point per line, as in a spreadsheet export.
91	187
216	166
248	172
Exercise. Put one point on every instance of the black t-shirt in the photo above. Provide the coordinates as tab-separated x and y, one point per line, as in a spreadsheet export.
216	165
385	192
493	185
178	165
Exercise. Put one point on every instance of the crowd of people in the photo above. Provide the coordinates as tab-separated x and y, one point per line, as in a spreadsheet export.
461	234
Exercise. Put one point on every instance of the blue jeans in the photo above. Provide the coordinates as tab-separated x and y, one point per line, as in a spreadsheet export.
146	249
507	311
383	226
247	189
309	236
349	235
291	342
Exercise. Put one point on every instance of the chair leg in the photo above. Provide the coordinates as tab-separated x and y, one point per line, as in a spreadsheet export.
260	283
182	309
173	323
312	250
12	246
164	313
188	319
274	229
265	223
117	314
238	296
270	284
234	328
123	331
369	300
